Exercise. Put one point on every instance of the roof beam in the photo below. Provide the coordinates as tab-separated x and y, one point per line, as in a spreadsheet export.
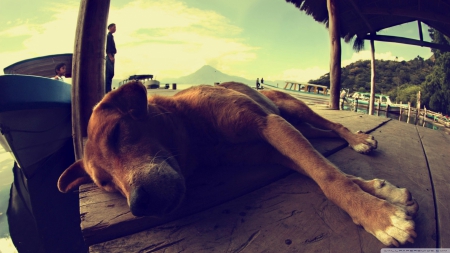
402	40
421	15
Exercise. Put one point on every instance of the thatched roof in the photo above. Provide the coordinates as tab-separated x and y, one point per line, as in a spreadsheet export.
41	66
361	17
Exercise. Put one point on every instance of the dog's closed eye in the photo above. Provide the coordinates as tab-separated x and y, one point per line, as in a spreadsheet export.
104	183
114	137
123	133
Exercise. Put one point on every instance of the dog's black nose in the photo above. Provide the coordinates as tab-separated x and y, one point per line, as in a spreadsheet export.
147	203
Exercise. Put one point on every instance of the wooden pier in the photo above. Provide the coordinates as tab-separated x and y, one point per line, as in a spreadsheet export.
272	209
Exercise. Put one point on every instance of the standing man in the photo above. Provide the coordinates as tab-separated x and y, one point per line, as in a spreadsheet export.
110	52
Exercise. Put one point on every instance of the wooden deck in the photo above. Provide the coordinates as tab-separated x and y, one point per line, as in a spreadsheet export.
272	209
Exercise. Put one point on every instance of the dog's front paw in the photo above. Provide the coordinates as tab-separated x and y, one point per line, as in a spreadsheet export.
389	223
399	231
363	143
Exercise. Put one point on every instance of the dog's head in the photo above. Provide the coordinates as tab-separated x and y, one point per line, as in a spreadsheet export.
128	150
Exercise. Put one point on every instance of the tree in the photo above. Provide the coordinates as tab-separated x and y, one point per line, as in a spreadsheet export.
436	87
405	93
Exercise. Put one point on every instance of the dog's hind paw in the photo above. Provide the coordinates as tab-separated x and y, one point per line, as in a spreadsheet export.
397	196
363	143
399	232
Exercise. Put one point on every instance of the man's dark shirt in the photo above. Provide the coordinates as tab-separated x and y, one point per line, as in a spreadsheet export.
110	45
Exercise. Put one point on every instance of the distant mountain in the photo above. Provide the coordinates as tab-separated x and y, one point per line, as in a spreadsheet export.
207	75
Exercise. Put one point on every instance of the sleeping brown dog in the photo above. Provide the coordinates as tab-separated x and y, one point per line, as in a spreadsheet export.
144	148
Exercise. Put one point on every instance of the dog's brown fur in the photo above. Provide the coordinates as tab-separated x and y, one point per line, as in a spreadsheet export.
145	149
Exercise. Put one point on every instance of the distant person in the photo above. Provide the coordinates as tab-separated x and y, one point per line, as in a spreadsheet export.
343	95
110	60
60	71
262	80
257	83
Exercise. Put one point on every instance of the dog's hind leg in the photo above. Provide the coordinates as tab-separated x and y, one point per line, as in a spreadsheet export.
298	113
389	222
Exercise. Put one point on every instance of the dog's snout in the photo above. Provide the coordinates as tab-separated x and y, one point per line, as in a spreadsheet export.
157	193
145	203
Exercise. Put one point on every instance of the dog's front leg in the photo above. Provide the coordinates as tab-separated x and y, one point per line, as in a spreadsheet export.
389	222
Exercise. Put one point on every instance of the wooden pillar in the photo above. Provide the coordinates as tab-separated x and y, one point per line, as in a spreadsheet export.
372	77
409	112
379	107
88	67
418	100
335	53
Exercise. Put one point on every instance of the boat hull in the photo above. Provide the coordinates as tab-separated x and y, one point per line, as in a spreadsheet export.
383	107
35	117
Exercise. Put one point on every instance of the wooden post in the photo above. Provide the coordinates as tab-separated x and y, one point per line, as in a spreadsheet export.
420	30
415	118
356	104
379	108
418	100
387	110
88	67
401	112
409	112
335	53
372	77
424	114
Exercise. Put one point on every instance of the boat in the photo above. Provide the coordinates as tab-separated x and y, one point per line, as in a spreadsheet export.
437	117
147	80
307	87
36	129
35	110
381	101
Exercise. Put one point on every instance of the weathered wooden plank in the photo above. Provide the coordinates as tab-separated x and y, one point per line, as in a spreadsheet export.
209	190
292	214
436	147
353	121
400	160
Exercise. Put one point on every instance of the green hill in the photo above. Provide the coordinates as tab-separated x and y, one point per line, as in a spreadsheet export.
390	76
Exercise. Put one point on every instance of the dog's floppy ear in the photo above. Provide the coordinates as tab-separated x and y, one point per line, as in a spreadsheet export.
130	98
73	177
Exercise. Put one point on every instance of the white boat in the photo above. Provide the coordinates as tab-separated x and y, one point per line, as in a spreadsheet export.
147	80
361	100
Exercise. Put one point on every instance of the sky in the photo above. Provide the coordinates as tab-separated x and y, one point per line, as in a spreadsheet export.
173	38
